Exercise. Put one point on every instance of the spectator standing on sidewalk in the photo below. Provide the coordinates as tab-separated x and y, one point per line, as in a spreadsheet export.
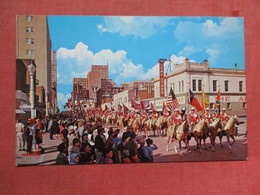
19	135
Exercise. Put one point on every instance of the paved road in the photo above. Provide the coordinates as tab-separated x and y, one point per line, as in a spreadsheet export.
238	152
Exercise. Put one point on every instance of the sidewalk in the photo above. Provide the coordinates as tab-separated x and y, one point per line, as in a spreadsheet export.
47	158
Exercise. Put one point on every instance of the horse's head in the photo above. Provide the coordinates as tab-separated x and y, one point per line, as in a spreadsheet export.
236	120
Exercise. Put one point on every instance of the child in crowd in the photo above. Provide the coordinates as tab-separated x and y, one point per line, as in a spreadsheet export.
109	156
76	146
148	150
74	159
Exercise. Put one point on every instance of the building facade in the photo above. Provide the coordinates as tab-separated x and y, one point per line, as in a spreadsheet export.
33	42
199	77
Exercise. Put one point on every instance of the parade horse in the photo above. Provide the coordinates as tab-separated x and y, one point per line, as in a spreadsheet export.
214	130
181	135
160	125
136	125
229	129
148	127
170	132
200	132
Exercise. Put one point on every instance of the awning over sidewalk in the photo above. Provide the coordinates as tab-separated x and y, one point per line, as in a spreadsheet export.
19	111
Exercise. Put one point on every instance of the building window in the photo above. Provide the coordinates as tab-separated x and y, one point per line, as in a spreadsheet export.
179	86
244	105
182	85
226	85
214	85
29	18
228	105
194	85
29	29
240	86
29	41
30	52
199	85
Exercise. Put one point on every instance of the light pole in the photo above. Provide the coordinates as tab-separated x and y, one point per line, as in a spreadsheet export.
31	69
46	102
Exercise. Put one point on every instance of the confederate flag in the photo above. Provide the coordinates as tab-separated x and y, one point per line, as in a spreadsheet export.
135	105
142	105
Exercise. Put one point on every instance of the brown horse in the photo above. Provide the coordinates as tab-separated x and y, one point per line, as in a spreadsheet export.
181	135
229	129
148	127
214	130
199	133
136	125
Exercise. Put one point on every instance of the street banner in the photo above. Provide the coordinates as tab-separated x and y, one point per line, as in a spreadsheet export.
161	65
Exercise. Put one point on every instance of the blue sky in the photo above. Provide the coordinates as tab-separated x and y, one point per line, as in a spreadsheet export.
132	45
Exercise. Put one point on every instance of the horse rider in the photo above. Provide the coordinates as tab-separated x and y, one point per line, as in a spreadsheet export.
207	116
177	119
193	118
166	113
224	116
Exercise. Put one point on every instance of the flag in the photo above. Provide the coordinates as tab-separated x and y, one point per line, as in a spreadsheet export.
194	102
217	104
119	107
205	102
125	108
142	105
106	108
135	105
172	101
164	106
152	106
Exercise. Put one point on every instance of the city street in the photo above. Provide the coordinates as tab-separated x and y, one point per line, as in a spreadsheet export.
238	152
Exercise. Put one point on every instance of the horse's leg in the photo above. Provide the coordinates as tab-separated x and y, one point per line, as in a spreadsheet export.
197	142
212	142
233	137
204	140
167	143
200	139
229	145
220	139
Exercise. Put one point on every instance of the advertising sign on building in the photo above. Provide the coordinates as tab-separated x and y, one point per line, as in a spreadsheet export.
161	65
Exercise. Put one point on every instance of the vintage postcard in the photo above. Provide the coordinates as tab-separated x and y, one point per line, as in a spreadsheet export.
129	89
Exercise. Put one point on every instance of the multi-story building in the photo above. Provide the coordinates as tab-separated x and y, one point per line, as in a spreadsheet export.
80	91
136	90
22	89
103	69
53	95
33	42
199	77
94	83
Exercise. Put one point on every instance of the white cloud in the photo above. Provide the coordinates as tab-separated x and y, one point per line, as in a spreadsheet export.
216	40
189	50
142	27
62	99
229	26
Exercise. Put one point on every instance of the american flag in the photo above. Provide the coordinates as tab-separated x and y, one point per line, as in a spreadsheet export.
172	101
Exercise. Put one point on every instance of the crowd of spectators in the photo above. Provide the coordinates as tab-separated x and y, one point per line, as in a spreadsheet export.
98	145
